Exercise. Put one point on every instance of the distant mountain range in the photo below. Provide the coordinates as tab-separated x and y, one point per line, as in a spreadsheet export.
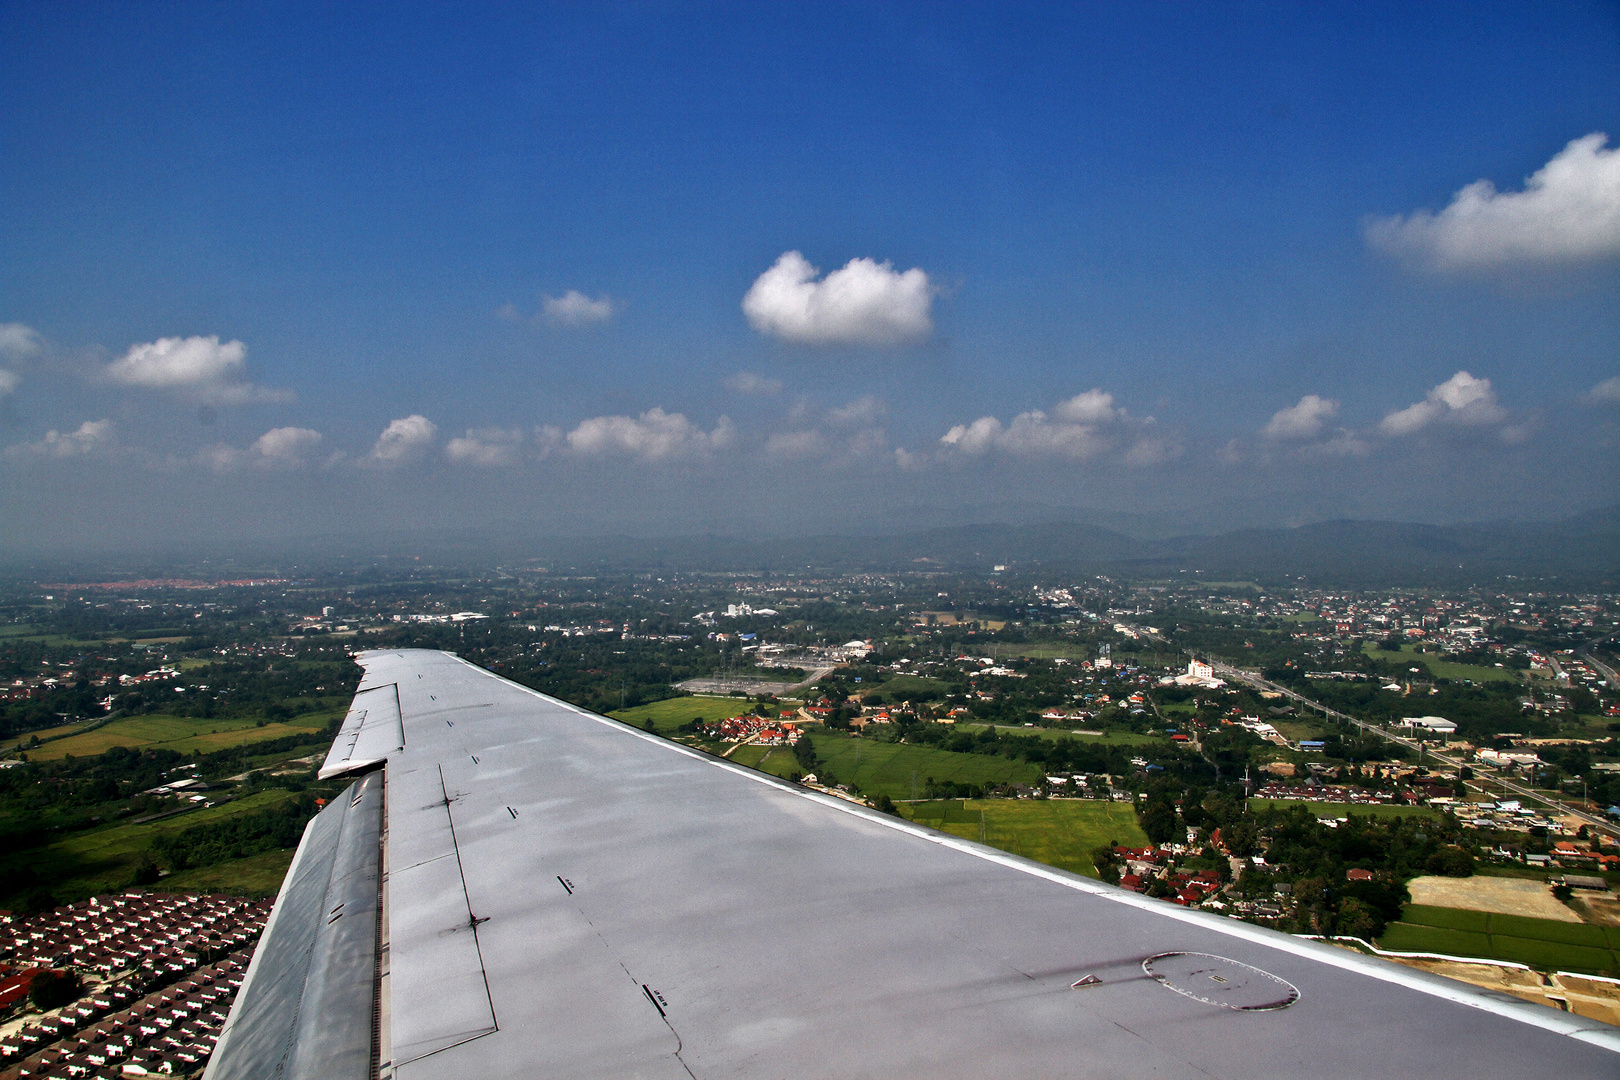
1578	552
1583	550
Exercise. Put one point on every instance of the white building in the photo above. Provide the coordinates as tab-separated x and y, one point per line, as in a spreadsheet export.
1198	674
1437	724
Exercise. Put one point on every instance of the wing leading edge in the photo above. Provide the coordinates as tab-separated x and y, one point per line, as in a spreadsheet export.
555	893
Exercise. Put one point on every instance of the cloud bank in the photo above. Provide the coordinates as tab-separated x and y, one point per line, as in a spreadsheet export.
1569	211
91	437
486	447
653	436
1081	428
865	303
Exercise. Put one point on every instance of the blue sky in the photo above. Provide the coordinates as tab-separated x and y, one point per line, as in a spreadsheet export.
241	243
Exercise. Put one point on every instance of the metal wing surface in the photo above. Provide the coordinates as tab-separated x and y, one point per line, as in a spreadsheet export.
516	887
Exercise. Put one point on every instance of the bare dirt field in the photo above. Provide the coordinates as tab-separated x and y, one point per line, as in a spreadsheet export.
1506	896
1595	999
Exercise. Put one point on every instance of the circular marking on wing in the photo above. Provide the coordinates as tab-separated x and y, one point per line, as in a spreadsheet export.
1217	980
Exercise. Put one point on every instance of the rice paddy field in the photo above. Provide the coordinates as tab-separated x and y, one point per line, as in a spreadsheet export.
1541	943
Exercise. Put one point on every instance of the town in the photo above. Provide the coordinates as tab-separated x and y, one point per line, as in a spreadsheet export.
1329	763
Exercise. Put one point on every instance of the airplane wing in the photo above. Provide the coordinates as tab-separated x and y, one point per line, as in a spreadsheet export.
516	887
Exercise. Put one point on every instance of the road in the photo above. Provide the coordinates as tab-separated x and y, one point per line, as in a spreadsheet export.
1585	653
1259	683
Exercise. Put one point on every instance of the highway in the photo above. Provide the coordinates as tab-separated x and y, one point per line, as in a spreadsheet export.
1585	653
1497	778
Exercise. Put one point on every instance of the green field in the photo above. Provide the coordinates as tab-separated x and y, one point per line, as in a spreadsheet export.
256	875
671	713
103	858
1441	668
1058	832
1046	650
901	771
913	688
1540	943
1121	738
1344	809
180	733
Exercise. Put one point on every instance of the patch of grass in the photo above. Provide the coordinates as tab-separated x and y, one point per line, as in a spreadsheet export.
102	859
668	715
1541	943
1442	668
178	733
901	771
751	755
778	761
1121	738
256	875
914	688
1058	832
1344	809
1047	650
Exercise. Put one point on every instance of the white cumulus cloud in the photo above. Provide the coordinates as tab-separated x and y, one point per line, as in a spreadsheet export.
1606	392
865	303
1461	399
486	447
1569	211
404	441
17	342
201	369
655	435
1080	428
9	381
1075	428
1305	420
287	446
574	308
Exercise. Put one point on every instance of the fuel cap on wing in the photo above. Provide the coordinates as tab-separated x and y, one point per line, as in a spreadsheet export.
1217	980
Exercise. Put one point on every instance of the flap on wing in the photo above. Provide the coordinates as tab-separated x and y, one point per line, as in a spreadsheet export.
441	993
372	730
305	1008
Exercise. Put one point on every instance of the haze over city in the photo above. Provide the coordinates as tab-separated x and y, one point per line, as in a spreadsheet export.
284	273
